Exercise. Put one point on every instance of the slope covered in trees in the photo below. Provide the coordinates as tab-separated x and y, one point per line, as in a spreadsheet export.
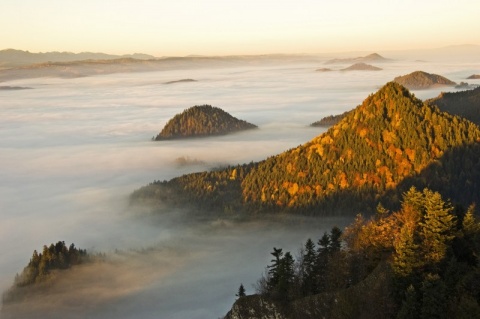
388	143
40	268
421	261
420	80
464	103
204	120
390	137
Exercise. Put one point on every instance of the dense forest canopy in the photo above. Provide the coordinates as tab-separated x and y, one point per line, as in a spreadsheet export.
464	103
418	262
388	143
204	120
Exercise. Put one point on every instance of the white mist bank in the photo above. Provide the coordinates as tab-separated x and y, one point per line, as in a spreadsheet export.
73	150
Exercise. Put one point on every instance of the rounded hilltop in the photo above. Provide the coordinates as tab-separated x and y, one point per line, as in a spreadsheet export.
202	121
420	80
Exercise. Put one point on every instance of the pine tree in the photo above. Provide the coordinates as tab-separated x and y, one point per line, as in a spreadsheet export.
335	242
308	284
434	298
241	291
437	226
274	269
410	305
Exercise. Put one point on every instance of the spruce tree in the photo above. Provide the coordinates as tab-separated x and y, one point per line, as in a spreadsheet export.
437	226
308	284
241	291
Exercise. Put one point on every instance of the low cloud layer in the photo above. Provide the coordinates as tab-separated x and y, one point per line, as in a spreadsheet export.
73	150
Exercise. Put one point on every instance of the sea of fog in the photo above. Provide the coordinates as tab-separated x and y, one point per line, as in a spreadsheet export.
72	150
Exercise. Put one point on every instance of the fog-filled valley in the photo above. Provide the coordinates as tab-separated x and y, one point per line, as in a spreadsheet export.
73	150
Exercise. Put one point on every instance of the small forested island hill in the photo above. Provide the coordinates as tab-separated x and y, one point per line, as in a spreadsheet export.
420	80
376	152
202	121
43	267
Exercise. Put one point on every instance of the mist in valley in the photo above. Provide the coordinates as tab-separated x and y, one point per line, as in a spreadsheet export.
72	151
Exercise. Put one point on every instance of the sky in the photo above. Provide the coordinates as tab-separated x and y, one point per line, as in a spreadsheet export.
222	27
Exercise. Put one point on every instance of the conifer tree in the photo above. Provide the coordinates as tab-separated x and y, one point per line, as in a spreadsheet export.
410	306
437	226
434	298
241	291
274	269
308	269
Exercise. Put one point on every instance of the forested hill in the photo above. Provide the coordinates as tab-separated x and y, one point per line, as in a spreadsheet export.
420	80
463	103
204	120
390	137
388	143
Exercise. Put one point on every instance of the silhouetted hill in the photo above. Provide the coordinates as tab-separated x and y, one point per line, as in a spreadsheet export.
390	137
361	67
329	120
474	77
201	121
420	80
374	57
464	103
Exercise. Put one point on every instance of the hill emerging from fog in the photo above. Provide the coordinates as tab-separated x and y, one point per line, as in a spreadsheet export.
388	143
374	57
202	121
420	80
361	67
464	103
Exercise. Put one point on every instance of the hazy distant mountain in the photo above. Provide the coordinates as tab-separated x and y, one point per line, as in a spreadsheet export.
420	80
465	104
388	143
13	88
474	77
323	70
16	58
89	67
374	57
180	81
361	67
202	121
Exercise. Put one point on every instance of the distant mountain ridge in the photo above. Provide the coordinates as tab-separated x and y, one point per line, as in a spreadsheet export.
374	57
17	58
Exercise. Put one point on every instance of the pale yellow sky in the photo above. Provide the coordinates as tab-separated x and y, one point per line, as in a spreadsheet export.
220	27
